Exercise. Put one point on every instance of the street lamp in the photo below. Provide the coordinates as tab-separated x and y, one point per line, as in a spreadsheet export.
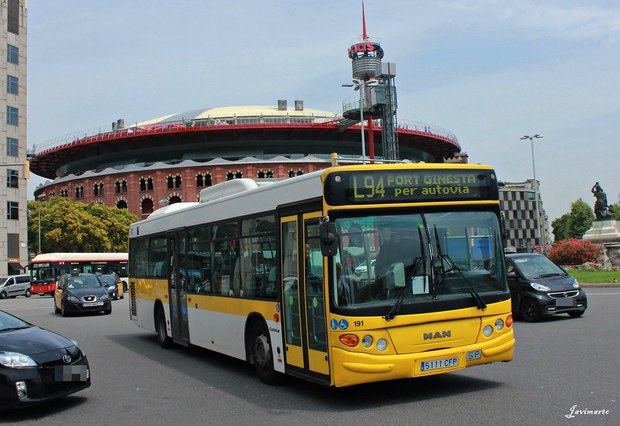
536	194
359	85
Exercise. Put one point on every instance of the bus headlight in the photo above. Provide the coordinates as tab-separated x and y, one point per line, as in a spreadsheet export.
367	341
381	344
487	330
499	324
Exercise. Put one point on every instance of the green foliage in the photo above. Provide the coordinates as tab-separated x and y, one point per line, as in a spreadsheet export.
575	223
616	209
72	226
573	251
560	227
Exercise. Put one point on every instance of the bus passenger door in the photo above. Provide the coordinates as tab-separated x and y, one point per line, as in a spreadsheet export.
303	301
177	287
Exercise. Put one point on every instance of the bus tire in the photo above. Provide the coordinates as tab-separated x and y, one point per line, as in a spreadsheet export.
262	353
160	327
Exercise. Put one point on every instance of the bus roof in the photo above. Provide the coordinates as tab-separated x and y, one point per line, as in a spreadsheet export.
264	198
79	257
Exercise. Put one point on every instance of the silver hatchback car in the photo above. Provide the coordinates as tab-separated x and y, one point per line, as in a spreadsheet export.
15	285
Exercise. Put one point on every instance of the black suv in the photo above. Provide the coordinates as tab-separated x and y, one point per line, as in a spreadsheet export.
539	287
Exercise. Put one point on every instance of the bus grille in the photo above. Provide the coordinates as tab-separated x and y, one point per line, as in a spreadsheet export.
132	297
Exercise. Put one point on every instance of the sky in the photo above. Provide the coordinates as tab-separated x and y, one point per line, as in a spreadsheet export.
487	71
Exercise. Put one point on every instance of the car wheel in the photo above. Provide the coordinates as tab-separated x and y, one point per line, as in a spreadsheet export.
160	325
3	295
262	354
108	311
28	293
528	310
576	314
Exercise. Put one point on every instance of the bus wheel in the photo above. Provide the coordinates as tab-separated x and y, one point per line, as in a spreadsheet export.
262	355
160	326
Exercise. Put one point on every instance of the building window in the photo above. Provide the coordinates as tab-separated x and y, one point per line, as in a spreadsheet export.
174	199
174	182
292	173
234	175
264	174
121	204
79	192
146	207
13	16
120	187
146	184
12	178
12	147
64	192
12	54
98	189
12	85
12	116
12	246
12	210
203	180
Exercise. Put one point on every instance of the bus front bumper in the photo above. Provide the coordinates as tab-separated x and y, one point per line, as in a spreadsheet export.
351	368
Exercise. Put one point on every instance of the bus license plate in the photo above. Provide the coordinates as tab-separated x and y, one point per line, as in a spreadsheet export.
439	363
86	305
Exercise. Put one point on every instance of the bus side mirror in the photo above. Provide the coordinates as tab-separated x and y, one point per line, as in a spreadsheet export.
328	237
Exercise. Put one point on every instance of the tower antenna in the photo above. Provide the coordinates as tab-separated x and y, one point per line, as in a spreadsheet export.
364	33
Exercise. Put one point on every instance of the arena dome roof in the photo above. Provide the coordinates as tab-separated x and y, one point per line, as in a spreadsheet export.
237	111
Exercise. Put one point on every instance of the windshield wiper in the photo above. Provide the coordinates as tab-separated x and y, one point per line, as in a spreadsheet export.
14	328
480	303
391	314
555	274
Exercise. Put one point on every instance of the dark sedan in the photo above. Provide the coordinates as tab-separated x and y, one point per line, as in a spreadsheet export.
37	365
77	293
539	288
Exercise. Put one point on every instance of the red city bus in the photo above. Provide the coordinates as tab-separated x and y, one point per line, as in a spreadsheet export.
45	269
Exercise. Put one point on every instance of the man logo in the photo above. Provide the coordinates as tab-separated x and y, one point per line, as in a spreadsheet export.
438	335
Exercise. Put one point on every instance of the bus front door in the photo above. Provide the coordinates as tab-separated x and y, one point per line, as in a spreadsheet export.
177	287
303	301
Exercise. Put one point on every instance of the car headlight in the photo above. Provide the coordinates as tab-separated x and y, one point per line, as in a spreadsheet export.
73	299
576	284
16	360
104	297
539	287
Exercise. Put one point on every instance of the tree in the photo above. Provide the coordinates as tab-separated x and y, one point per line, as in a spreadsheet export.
560	227
616	210
72	226
575	223
581	218
574	252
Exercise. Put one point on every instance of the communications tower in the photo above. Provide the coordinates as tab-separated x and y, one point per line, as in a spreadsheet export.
375	80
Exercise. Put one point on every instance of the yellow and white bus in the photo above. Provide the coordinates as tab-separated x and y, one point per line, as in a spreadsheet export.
347	275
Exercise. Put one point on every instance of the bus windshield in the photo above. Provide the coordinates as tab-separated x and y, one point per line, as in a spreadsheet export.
417	258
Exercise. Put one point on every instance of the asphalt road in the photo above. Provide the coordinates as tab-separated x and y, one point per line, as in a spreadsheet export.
559	363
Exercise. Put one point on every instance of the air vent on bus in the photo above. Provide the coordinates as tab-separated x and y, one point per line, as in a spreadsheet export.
230	187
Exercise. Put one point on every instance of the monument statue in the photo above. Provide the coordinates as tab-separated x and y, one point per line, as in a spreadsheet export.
601	209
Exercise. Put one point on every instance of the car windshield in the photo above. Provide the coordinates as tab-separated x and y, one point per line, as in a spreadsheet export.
537	266
411	258
83	281
9	322
107	280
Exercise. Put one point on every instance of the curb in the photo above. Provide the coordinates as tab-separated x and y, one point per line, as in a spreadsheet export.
600	285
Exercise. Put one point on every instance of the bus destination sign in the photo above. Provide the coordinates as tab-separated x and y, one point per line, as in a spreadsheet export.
405	186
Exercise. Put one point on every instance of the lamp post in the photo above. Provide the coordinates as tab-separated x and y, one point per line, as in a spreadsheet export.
536	194
360	85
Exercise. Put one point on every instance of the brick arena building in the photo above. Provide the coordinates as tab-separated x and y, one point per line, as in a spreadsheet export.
171	158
